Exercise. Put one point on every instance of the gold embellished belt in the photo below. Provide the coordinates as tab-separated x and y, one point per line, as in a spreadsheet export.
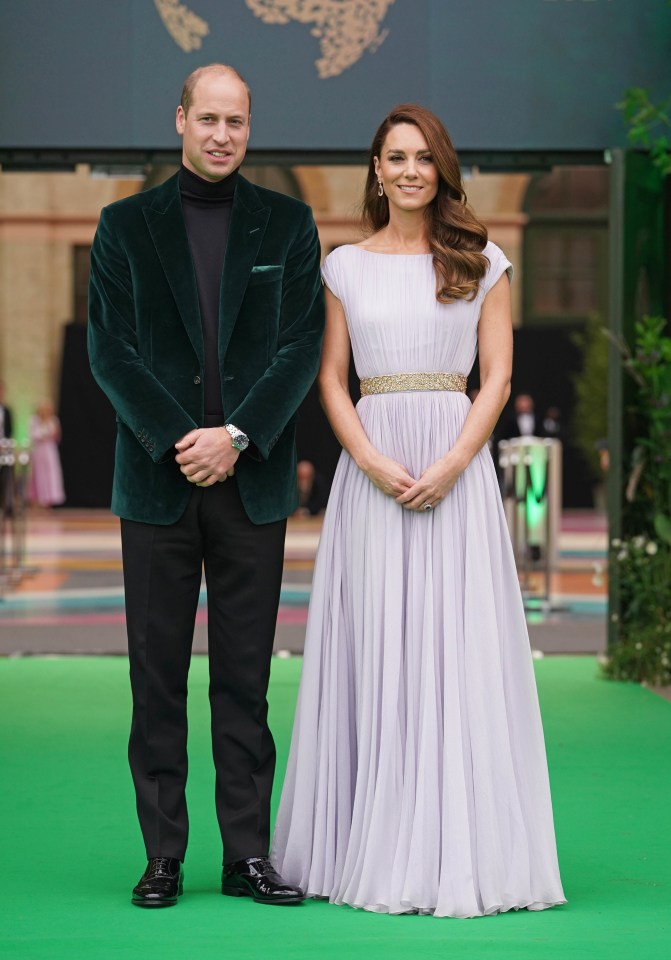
401	382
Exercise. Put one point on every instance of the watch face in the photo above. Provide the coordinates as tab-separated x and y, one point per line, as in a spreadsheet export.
239	439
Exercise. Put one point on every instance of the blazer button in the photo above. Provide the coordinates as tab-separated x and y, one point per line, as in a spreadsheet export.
196	380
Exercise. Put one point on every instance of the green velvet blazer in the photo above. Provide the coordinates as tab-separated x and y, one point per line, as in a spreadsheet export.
146	344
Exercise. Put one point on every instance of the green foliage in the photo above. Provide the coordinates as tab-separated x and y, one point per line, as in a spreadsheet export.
643	650
590	416
643	558
649	125
650	366
663	527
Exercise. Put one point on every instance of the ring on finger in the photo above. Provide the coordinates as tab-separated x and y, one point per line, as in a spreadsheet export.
427	506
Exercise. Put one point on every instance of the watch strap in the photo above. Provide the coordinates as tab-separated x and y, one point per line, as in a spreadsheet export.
239	439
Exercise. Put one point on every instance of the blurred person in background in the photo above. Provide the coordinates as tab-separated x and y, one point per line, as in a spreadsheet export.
46	475
312	494
552	424
6	472
6	430
522	421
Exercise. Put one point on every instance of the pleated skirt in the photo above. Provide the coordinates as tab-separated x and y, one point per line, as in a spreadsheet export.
417	779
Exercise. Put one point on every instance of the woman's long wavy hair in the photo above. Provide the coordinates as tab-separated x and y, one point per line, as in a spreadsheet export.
456	236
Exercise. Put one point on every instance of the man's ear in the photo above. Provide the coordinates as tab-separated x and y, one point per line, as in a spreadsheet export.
180	119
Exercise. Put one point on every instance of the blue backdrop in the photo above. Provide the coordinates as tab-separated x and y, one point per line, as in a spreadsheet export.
503	74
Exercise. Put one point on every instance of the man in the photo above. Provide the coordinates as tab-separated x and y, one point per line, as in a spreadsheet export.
205	327
522	422
552	424
6	471
312	491
5	416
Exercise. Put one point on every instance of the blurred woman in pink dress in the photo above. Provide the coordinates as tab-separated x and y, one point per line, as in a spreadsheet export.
46	480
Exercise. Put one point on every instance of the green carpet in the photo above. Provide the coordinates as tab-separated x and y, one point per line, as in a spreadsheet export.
72	850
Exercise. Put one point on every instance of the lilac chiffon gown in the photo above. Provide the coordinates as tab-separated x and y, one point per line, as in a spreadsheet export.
417	778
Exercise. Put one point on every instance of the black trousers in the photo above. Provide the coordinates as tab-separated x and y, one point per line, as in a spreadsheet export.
162	576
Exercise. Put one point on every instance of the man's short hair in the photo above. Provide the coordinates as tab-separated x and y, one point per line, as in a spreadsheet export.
195	75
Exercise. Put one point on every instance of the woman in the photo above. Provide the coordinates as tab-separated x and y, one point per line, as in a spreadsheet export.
417	779
46	477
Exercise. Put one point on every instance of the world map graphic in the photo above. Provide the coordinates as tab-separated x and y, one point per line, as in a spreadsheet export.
345	28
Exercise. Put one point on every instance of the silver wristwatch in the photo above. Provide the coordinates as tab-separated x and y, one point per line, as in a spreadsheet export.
239	439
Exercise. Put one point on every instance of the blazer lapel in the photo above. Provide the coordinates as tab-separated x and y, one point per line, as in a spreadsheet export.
249	219
166	225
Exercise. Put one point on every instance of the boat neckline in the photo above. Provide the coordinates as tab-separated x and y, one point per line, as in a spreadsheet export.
377	253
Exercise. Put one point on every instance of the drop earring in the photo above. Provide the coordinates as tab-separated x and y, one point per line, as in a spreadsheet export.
380	188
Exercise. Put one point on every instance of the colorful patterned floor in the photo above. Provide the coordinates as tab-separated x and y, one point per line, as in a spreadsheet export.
70	598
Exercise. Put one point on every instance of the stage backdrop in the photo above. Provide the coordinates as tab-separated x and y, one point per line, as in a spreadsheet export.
503	74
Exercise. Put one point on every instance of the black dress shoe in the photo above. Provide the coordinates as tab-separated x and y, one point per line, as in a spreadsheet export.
160	884
257	878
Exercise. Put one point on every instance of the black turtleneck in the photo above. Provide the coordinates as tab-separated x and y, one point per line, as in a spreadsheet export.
207	214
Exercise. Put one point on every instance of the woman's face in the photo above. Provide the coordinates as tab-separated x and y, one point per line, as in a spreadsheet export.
405	166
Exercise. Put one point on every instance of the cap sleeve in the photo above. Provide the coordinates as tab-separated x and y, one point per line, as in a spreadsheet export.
498	265
330	274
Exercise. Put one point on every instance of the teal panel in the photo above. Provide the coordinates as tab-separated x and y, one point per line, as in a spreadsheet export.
514	75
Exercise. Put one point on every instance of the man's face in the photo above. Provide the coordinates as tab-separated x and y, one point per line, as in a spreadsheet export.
215	131
305	473
524	404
